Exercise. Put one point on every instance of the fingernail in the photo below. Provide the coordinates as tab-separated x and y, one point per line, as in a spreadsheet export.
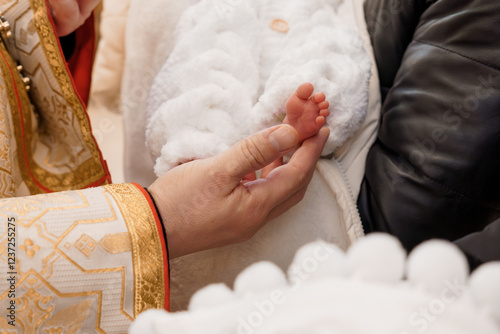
283	138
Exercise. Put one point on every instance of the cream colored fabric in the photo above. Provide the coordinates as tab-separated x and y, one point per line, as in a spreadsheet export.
104	107
149	37
77	262
107	128
110	56
352	155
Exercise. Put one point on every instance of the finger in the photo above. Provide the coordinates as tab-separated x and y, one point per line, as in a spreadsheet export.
69	15
87	6
66	15
283	182
250	177
269	168
257	151
64	10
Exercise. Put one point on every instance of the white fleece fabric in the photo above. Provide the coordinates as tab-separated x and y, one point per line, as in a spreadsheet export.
231	71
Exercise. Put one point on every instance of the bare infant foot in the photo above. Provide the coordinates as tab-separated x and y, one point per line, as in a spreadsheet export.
306	113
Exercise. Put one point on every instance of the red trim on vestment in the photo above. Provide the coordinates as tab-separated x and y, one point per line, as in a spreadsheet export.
80	64
163	245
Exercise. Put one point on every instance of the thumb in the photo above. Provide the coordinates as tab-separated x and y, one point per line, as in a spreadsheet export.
259	150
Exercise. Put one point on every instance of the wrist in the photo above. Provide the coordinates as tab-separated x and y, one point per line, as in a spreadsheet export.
167	217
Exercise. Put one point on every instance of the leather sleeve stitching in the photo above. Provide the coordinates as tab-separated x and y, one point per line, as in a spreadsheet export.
437	183
459	54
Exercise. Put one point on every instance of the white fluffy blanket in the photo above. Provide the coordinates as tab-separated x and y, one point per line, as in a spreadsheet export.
363	291
235	63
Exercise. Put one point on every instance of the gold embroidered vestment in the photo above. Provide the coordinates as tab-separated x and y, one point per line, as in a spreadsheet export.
75	261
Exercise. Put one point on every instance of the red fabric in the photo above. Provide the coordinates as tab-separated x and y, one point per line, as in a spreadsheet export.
80	64
163	245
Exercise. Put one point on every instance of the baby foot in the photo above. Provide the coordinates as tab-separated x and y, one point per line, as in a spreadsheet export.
306	113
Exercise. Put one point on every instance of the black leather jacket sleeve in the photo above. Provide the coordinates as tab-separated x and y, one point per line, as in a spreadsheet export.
482	246
391	25
434	169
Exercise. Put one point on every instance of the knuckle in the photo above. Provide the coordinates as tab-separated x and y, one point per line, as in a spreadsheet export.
252	154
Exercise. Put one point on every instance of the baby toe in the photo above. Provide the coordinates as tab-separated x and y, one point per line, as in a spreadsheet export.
323	105
324	112
318	98
320	121
305	90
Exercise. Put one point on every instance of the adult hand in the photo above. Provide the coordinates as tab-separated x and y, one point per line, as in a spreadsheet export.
69	15
205	203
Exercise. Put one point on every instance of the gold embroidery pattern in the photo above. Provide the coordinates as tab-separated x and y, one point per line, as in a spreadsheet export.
37	309
86	245
50	46
6	179
116	243
68	320
34	309
60	153
147	254
4	325
30	248
65	279
19	113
